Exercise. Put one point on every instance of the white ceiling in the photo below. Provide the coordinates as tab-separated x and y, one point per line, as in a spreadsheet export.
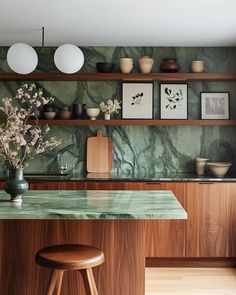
119	22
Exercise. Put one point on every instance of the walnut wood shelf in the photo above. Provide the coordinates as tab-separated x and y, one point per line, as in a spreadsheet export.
47	76
125	122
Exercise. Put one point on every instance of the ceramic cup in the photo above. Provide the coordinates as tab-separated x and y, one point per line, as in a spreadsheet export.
200	165
197	66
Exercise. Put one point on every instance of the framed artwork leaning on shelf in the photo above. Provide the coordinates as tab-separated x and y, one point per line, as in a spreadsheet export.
174	101
215	105
137	100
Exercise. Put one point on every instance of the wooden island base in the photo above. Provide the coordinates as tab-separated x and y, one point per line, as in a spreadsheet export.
121	240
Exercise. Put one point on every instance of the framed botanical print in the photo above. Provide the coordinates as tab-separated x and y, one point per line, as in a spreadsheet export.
174	101
137	100
215	105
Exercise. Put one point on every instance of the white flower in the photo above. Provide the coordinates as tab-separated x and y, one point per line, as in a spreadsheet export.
110	106
20	141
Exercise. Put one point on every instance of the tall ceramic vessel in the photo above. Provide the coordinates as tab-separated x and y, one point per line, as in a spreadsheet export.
16	185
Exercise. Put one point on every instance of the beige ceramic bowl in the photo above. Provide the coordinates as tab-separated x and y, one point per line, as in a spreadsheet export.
49	115
219	169
93	113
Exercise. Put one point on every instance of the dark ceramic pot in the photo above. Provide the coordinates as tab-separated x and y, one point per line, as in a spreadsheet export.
105	67
169	65
78	111
16	185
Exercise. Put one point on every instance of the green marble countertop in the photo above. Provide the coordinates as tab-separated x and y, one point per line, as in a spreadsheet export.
93	205
137	176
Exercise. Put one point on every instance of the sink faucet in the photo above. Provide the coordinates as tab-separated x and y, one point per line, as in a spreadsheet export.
63	166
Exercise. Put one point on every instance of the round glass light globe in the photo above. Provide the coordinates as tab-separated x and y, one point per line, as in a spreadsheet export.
22	58
68	58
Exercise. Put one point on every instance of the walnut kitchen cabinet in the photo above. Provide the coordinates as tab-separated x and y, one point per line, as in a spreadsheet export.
211	225
53	185
57	185
164	238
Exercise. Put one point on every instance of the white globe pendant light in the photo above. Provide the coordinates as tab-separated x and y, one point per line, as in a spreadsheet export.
22	58
68	58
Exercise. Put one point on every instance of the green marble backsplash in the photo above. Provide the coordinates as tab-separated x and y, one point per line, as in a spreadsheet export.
138	148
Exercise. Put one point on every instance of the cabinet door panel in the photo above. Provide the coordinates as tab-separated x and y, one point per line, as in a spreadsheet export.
211	226
166	238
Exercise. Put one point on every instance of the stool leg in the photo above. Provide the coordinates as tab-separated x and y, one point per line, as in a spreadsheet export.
52	282
57	289
89	283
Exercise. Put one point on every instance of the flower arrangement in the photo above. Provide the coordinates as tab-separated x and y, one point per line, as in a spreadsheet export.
20	141
110	107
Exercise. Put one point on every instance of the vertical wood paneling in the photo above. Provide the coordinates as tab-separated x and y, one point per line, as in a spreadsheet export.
211	227
121	241
166	238
163	238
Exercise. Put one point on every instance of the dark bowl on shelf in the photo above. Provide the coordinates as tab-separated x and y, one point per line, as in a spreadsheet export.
105	67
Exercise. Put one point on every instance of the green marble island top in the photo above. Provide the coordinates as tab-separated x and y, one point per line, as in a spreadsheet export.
93	205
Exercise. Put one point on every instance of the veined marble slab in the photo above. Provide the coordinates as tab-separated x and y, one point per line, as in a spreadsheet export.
93	205
123	176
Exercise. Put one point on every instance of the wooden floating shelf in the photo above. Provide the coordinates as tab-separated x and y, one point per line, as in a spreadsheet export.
124	122
47	76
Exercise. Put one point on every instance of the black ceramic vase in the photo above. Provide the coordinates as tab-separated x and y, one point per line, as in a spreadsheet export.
78	111
16	185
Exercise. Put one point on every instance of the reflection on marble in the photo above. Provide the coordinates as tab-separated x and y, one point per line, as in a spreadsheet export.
140	148
93	205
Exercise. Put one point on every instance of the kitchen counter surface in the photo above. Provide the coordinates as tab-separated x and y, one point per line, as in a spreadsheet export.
93	205
138	176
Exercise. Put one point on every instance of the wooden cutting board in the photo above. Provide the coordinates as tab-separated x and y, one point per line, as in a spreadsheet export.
99	154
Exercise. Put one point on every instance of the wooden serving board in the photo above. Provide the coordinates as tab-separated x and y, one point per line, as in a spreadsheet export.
99	154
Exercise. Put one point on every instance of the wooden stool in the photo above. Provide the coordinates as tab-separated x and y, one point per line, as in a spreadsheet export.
70	257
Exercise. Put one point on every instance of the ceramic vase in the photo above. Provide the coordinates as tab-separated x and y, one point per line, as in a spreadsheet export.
146	64
78	111
16	185
197	66
126	65
170	65
107	116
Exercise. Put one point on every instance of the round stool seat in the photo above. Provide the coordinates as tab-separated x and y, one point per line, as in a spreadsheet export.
69	257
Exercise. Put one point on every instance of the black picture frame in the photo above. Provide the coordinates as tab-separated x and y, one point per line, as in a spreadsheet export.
160	97
124	111
215	116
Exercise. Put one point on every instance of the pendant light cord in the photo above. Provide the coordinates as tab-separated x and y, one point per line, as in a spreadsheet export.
42	36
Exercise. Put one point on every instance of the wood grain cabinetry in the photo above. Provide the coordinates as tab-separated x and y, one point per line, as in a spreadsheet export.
209	231
57	185
211	225
54	185
166	238
163	238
